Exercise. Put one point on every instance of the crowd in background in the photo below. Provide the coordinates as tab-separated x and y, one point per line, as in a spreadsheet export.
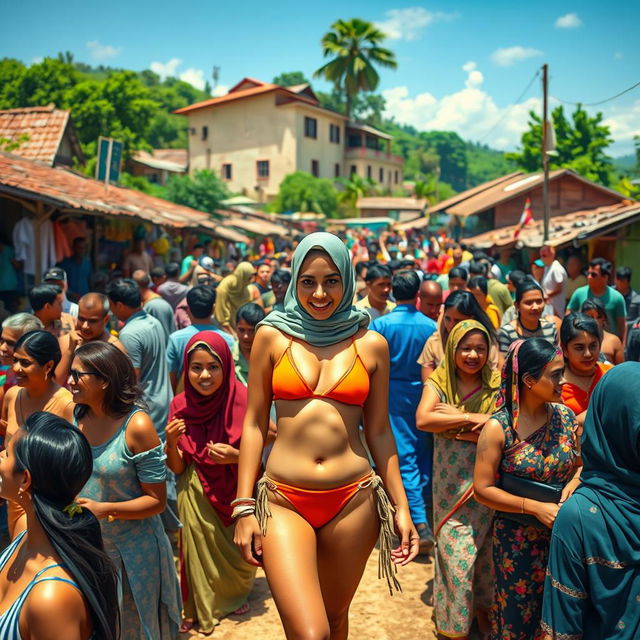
495	365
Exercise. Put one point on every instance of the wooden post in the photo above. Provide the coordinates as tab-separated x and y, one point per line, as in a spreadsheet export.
545	157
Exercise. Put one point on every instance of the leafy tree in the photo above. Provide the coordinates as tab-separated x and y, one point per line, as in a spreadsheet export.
484	164
355	48
300	191
580	145
353	188
290	79
203	191
451	151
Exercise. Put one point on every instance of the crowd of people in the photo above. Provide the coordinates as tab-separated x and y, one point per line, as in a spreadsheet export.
293	410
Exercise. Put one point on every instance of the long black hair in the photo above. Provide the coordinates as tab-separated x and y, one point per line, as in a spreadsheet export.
58	457
42	346
525	285
594	304
533	356
466	304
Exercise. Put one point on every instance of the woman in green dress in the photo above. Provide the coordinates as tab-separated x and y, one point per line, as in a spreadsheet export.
203	436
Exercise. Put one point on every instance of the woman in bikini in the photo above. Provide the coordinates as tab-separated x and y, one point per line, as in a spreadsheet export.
35	357
320	507
456	402
56	581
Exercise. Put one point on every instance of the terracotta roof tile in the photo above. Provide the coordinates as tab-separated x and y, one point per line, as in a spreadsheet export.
75	193
45	127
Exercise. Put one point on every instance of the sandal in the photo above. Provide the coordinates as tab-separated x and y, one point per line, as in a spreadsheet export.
186	625
245	608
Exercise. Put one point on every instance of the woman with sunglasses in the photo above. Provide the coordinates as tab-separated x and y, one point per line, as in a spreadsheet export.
127	489
35	357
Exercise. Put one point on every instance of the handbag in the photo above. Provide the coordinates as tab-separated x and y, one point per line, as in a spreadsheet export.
532	489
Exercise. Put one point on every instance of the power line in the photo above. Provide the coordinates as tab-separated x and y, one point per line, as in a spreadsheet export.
508	111
595	104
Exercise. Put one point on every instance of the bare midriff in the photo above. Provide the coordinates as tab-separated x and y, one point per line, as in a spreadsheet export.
318	445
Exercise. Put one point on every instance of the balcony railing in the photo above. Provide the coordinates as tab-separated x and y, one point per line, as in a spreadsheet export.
365	153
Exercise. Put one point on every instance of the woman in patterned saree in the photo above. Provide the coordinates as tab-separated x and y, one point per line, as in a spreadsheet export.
532	437
457	400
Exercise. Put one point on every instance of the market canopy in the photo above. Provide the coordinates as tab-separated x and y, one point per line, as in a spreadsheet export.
43	190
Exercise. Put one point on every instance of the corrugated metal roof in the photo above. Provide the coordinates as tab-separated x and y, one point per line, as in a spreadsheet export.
394	204
562	229
44	126
464	195
71	192
367	129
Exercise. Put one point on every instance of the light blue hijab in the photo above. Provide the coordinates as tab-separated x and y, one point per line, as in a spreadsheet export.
345	321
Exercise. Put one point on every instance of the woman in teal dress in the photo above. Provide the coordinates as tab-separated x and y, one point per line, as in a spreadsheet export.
532	437
592	588
127	490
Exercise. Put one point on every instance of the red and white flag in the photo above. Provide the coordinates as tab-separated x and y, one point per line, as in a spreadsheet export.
525	219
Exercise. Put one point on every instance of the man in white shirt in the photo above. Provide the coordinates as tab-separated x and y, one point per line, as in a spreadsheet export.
554	280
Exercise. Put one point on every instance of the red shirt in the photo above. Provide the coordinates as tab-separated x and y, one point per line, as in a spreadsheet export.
577	399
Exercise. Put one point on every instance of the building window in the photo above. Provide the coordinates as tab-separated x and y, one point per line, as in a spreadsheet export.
262	168
354	140
396	177
315	168
381	175
389	177
354	170
227	172
205	133
334	133
310	127
336	170
369	171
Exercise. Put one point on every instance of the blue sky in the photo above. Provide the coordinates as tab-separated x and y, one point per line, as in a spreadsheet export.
461	64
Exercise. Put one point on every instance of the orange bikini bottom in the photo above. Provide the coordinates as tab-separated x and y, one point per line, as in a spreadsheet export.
319	506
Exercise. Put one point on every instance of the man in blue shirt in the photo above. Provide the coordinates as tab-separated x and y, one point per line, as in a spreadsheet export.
406	331
200	301
78	270
144	339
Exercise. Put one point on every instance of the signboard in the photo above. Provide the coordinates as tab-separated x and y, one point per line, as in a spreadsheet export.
109	160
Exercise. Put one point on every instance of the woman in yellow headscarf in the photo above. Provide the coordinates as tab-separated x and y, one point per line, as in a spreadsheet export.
231	294
457	400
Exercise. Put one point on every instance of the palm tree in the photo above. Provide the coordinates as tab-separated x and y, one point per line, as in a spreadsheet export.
355	47
354	188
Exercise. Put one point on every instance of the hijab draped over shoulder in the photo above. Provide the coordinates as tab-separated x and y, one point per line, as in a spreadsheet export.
345	321
214	418
232	293
444	377
611	457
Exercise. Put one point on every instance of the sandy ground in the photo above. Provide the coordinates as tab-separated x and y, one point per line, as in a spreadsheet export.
374	614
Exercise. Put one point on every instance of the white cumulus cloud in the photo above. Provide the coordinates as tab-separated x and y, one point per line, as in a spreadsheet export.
471	112
220	90
508	56
170	69
100	52
568	21
624	124
166	69
194	77
407	24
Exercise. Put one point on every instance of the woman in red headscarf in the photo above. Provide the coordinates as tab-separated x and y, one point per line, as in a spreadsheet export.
203	436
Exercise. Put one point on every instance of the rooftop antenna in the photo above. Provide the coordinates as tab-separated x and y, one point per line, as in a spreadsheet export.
216	76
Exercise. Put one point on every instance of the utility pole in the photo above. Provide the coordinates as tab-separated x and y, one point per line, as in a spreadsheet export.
545	157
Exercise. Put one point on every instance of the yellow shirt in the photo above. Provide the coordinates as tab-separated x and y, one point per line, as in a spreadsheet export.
372	311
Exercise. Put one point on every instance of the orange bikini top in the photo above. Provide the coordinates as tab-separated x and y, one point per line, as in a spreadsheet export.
351	388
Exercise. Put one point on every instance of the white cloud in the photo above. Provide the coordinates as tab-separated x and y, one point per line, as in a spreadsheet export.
624	124
568	21
470	112
407	24
170	69
508	56
100	52
220	90
194	77
474	115
37	59
166	69
469	66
